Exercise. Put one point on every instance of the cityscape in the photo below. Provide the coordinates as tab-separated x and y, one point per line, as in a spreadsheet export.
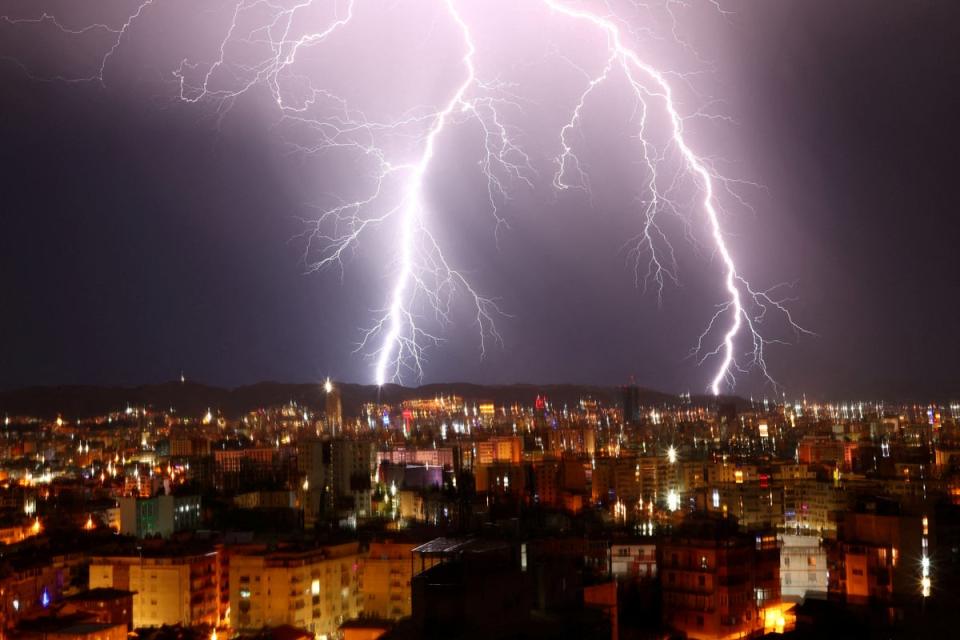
479	320
567	513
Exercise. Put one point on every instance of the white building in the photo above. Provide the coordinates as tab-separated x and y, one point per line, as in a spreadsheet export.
803	566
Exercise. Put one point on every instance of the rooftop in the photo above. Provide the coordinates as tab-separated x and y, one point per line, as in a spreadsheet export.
100	593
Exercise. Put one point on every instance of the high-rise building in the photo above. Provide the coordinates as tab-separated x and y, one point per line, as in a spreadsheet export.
630	403
160	515
333	408
803	566
387	571
474	585
317	589
172	585
718	582
338	476
882	554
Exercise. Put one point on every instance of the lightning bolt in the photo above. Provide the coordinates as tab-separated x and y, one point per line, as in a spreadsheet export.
399	318
646	83
116	35
399	154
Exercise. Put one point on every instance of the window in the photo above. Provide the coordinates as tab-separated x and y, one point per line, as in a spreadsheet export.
701	581
703	562
811	561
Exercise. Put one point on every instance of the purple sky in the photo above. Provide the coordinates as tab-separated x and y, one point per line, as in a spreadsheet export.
143	236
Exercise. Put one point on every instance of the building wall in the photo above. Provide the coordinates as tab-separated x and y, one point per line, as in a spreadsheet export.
173	590
21	590
164	515
714	589
812	505
162	595
387	571
315	590
803	566
633	561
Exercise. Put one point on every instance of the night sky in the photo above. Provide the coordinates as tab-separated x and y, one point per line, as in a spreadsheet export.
143	236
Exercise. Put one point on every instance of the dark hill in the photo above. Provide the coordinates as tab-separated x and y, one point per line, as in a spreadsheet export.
192	398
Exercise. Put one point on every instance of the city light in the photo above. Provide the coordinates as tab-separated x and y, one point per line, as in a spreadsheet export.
673	500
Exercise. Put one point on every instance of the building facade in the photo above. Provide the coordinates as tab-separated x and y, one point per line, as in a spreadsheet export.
315	589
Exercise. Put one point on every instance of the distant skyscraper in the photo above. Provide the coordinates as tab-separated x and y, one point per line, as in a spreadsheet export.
630	402
334	407
727	417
